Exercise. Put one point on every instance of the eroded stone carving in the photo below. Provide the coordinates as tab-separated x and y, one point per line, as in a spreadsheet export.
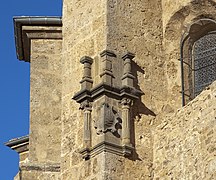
85	105
108	119
126	102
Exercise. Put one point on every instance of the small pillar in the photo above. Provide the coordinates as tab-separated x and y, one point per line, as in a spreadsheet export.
128	78
107	74
86	82
126	121
87	108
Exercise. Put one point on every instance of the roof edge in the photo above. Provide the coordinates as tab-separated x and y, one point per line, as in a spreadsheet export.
20	21
17	141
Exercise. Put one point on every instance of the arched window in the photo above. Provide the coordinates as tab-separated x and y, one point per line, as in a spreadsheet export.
198	58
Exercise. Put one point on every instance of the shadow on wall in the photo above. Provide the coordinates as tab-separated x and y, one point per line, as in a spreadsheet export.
138	108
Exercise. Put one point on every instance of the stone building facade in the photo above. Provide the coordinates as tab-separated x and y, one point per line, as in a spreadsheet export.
108	81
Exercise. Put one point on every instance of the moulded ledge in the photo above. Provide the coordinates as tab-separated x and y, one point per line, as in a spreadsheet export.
125	150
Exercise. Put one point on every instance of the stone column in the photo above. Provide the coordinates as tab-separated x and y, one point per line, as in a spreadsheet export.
86	82
85	104
128	78
126	121
107	74
87	108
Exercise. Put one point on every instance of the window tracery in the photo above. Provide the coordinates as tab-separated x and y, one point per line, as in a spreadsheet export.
198	58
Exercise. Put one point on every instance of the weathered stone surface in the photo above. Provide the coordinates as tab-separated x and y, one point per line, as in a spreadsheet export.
150	29
45	91
184	144
167	141
117	33
44	147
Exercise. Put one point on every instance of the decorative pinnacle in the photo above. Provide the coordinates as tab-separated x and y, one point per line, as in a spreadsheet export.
128	55
86	59
107	53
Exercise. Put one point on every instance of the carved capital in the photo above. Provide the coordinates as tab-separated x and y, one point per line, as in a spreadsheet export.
126	102
85	105
86	59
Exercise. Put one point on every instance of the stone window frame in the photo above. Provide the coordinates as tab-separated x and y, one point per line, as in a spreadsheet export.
193	33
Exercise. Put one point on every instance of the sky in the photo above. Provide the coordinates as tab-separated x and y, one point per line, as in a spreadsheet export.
15	77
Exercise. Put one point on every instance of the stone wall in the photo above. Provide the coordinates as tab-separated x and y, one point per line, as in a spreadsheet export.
40	158
184	143
119	26
37	174
171	9
84	34
45	101
43	157
137	27
177	18
131	29
152	30
166	144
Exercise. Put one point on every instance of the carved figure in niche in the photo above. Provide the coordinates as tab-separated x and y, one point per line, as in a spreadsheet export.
109	120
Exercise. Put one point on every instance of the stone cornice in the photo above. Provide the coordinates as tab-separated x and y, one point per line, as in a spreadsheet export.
41	167
82	96
19	144
104	89
27	28
107	147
